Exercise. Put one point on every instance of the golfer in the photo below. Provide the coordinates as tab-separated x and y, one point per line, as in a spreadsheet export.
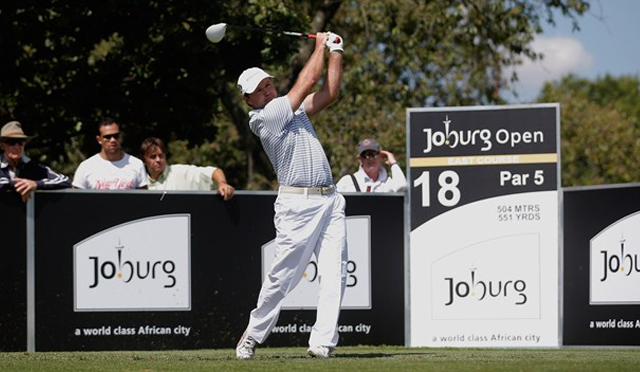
309	213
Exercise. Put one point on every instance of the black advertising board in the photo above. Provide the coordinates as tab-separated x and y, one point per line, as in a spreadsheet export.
219	267
148	271
13	268
601	268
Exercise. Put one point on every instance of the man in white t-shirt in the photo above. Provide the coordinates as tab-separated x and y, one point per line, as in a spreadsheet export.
111	168
180	176
371	175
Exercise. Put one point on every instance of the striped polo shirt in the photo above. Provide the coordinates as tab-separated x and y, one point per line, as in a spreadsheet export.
291	144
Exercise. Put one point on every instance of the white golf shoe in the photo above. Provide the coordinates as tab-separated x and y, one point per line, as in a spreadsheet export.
246	347
320	351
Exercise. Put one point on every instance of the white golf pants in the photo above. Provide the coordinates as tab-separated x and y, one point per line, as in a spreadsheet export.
305	224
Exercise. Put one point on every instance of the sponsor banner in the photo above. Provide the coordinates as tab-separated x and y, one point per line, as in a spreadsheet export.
601	270
484	226
137	266
13	269
358	289
470	277
152	271
614	266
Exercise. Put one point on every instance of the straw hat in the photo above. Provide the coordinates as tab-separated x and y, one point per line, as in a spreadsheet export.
13	129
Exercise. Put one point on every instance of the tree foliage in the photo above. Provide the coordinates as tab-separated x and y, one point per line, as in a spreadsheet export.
600	128
147	63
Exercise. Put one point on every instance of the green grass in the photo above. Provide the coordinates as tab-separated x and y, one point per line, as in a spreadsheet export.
350	359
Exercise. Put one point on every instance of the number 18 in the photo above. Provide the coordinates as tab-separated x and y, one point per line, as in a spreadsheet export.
448	194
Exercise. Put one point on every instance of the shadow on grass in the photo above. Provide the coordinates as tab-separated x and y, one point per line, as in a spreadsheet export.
348	355
383	355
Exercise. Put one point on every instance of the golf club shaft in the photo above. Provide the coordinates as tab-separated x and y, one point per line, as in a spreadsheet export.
270	30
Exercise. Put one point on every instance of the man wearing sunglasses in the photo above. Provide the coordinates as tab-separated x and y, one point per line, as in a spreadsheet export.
19	172
111	168
371	175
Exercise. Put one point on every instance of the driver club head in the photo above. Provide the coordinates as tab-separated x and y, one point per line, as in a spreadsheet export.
215	33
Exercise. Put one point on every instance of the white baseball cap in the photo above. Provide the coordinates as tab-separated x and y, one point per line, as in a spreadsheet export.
250	79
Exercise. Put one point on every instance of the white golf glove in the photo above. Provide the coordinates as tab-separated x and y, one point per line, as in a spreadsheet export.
335	42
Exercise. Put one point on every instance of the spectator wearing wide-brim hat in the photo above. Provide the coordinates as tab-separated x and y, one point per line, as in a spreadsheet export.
13	130
17	171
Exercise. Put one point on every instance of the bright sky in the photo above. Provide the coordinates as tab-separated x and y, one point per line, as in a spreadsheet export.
608	42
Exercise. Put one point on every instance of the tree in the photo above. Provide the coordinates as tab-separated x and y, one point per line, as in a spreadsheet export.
408	53
600	128
147	63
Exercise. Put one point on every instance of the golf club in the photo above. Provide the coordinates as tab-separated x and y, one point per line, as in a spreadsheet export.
216	32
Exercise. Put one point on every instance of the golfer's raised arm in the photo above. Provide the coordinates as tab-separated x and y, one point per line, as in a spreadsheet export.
316	102
310	74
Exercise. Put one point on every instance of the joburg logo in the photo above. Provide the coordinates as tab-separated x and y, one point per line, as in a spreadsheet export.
619	262
470	283
136	266
484	138
127	270
615	265
480	289
311	273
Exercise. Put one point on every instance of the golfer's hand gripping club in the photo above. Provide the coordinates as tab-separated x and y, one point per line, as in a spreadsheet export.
335	42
